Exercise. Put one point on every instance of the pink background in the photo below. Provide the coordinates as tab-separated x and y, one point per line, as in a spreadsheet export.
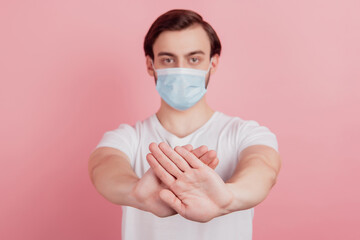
71	70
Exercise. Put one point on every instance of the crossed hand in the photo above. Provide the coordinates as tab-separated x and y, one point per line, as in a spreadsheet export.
183	181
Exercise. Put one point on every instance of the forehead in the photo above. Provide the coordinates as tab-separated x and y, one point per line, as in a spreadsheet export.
182	42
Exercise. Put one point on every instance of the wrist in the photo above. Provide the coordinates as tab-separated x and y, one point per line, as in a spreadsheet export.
241	198
230	204
148	201
136	197
234	204
245	197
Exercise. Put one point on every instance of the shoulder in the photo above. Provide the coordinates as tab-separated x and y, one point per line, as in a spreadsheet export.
136	127
248	132
126	132
126	137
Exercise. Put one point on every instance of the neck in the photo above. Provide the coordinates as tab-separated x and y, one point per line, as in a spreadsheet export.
182	123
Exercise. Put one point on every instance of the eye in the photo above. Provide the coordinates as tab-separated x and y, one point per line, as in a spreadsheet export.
194	60
167	60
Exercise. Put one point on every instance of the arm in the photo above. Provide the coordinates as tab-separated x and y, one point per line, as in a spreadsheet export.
111	174
254	177
113	177
198	193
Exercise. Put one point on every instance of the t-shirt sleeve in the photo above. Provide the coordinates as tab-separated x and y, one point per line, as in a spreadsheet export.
124	138
251	133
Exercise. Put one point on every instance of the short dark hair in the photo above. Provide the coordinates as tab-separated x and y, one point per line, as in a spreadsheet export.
179	19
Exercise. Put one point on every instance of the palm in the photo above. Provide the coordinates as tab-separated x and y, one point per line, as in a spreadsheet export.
200	194
195	190
149	186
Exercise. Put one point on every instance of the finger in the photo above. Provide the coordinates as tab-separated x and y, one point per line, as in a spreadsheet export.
188	147
165	162
159	171
200	151
170	198
192	160
174	156
214	163
208	157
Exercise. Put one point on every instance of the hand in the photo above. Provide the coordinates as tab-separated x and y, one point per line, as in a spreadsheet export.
146	191
195	191
207	157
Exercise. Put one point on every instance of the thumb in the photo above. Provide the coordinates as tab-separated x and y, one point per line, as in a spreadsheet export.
170	199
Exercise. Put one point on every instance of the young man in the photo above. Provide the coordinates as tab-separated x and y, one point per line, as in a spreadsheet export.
186	172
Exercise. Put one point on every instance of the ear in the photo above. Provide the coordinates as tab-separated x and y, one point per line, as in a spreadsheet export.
214	63
149	66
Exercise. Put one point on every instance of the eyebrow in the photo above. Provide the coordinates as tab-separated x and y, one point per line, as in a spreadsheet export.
173	55
195	52
165	54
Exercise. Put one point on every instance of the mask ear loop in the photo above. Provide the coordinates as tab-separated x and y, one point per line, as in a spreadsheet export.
155	75
209	70
210	65
153	65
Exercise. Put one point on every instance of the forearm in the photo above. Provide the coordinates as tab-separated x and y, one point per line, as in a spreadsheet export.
115	180
251	184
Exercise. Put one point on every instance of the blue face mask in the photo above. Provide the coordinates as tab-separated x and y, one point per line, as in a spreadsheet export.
181	88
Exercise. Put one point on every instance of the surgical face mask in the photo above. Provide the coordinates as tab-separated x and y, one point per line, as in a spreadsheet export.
181	88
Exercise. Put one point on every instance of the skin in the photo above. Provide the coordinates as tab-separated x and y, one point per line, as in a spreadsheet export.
147	189
194	190
183	180
188	48
113	177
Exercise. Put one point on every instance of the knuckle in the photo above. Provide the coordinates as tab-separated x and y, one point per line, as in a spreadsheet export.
188	154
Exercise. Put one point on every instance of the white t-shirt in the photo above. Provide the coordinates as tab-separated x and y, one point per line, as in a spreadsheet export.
228	136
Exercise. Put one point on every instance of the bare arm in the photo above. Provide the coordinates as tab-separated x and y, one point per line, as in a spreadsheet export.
198	193
113	177
254	177
111	174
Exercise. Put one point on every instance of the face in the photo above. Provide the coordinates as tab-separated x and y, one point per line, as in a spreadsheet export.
188	48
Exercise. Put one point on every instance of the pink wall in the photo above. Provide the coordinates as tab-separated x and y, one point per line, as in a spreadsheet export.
71	70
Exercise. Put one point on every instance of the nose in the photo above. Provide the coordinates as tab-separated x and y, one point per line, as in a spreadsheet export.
180	64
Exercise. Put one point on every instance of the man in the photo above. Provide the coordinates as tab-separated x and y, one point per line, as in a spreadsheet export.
186	172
